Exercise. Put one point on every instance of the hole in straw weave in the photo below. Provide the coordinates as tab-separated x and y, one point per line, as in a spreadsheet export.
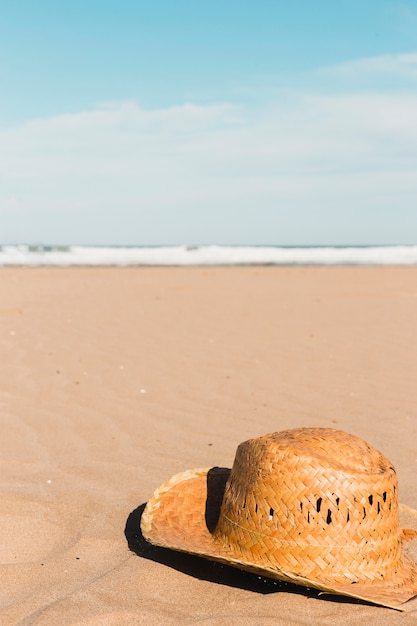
370	499
337	501
379	508
364	513
271	513
301	506
348	517
329	517
318	504
384	496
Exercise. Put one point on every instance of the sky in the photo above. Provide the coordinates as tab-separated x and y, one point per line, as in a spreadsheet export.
231	122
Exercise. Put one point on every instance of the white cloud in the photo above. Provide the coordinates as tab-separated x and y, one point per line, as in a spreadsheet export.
401	65
193	172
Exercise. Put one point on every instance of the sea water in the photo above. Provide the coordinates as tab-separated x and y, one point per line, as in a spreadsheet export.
206	255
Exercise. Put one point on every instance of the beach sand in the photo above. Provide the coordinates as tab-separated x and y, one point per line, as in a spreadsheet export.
114	379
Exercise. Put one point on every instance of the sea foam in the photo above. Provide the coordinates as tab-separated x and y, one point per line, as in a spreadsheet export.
205	255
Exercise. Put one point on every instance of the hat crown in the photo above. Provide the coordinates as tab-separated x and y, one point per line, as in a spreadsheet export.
315	495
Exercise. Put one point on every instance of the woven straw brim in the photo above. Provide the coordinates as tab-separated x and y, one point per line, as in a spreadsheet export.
176	517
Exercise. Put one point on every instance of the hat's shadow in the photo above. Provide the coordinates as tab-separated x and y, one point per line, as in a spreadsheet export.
205	569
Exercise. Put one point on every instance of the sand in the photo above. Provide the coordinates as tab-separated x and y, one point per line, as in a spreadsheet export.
114	379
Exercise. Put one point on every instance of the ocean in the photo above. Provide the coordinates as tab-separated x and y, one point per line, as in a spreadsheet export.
21	255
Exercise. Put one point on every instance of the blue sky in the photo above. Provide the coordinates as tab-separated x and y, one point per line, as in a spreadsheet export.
232	122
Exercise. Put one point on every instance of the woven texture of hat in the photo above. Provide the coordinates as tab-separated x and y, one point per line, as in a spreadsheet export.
314	506
315	502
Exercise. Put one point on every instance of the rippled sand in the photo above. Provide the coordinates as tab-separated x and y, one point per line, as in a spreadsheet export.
112	380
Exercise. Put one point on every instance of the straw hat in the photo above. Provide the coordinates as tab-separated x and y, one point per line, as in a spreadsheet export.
314	506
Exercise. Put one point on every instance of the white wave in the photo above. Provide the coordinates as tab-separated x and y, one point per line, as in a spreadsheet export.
207	255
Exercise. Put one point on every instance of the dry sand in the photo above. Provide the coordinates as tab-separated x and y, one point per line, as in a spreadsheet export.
112	380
